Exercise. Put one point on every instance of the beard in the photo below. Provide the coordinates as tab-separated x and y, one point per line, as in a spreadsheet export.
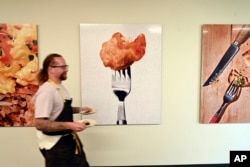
63	76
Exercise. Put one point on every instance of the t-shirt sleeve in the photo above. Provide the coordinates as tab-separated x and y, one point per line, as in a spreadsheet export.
43	105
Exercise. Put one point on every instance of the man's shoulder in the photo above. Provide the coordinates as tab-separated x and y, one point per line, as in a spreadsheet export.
46	86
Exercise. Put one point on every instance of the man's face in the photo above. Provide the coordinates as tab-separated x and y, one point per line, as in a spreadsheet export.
63	76
61	68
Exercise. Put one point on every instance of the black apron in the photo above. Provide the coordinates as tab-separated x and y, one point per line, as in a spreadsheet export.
68	151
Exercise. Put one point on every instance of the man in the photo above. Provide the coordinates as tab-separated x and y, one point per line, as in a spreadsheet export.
56	130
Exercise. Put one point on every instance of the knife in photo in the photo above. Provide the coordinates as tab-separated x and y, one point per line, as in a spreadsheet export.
242	36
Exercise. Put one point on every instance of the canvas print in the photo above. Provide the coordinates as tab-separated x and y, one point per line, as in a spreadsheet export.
121	73
225	74
18	68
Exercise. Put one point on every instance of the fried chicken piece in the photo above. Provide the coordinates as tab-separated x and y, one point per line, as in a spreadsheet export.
119	53
238	78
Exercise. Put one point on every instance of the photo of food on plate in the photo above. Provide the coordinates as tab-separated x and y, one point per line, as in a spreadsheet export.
225	73
18	69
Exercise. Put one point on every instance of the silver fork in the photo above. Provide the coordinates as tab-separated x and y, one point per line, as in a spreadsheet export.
121	86
231	94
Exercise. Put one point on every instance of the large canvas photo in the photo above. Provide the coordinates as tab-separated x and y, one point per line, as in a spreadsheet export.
225	73
18	69
121	72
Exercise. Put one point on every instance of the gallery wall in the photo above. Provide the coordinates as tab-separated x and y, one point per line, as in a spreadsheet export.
180	138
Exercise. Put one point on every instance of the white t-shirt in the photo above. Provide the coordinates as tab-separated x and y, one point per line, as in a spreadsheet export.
49	103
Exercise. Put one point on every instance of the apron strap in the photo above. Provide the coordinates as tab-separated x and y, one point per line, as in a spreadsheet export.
78	145
57	88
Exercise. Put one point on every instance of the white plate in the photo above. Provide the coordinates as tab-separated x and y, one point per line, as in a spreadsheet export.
87	112
90	122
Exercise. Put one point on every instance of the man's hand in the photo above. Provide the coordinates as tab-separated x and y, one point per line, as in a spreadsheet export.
76	126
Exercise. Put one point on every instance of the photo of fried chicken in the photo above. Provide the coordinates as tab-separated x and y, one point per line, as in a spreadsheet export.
124	62
120	52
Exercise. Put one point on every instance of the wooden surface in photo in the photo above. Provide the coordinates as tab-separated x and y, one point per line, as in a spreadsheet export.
216	39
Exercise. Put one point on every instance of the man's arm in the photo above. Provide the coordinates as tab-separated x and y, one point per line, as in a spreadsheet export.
46	125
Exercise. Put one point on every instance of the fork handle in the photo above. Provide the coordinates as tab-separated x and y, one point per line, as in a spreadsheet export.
121	115
214	119
121	122
217	116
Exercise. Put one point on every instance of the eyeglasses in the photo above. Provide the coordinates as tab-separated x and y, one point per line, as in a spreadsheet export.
62	66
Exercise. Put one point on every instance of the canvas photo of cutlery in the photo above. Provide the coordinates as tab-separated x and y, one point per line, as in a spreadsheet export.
225	74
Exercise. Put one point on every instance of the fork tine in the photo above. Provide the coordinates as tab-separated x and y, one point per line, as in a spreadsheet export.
234	92
123	72
129	72
232	89
229	87
113	75
116	74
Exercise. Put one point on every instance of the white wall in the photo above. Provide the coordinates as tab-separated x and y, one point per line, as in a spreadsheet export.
180	139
